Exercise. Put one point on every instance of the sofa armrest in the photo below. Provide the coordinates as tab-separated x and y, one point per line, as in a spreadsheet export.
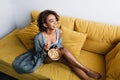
112	54
113	63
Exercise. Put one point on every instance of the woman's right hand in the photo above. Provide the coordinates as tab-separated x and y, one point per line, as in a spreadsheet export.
46	46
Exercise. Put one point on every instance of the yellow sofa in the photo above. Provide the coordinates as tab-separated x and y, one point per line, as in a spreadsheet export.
99	50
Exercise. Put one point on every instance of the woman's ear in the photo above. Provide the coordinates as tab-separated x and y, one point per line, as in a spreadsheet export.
45	25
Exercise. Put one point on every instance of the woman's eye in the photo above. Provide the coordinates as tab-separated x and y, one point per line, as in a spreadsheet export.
51	21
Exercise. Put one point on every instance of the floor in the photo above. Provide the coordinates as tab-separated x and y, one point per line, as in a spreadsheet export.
6	77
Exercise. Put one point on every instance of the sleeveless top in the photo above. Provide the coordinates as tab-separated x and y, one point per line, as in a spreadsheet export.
33	58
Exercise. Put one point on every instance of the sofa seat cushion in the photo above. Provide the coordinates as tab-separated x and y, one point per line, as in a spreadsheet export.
10	47
54	71
93	61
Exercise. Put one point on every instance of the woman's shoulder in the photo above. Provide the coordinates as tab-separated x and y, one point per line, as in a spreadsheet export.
37	36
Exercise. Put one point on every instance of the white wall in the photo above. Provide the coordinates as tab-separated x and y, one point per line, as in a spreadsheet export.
105	11
6	17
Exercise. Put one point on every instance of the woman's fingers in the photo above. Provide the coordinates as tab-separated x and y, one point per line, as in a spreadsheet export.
46	46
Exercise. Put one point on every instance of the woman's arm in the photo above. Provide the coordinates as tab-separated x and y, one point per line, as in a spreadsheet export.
39	47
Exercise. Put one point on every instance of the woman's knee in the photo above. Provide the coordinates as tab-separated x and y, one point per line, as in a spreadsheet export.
63	50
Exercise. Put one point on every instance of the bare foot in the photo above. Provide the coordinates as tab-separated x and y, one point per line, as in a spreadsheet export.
94	75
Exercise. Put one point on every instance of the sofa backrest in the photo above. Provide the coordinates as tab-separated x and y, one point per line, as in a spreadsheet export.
101	37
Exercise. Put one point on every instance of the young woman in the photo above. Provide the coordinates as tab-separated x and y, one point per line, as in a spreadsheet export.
50	37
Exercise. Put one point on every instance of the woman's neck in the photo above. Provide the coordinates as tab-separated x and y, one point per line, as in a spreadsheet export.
49	32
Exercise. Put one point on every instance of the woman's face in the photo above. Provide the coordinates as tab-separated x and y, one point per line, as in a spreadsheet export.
51	22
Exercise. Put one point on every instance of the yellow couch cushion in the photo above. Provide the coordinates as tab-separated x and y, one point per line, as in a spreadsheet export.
101	37
73	40
67	22
113	72
26	35
34	15
112	63
54	71
110	56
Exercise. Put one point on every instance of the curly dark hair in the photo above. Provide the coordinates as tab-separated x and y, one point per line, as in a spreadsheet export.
43	17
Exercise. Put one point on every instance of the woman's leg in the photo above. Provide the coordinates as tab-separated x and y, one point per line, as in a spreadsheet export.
72	60
80	73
